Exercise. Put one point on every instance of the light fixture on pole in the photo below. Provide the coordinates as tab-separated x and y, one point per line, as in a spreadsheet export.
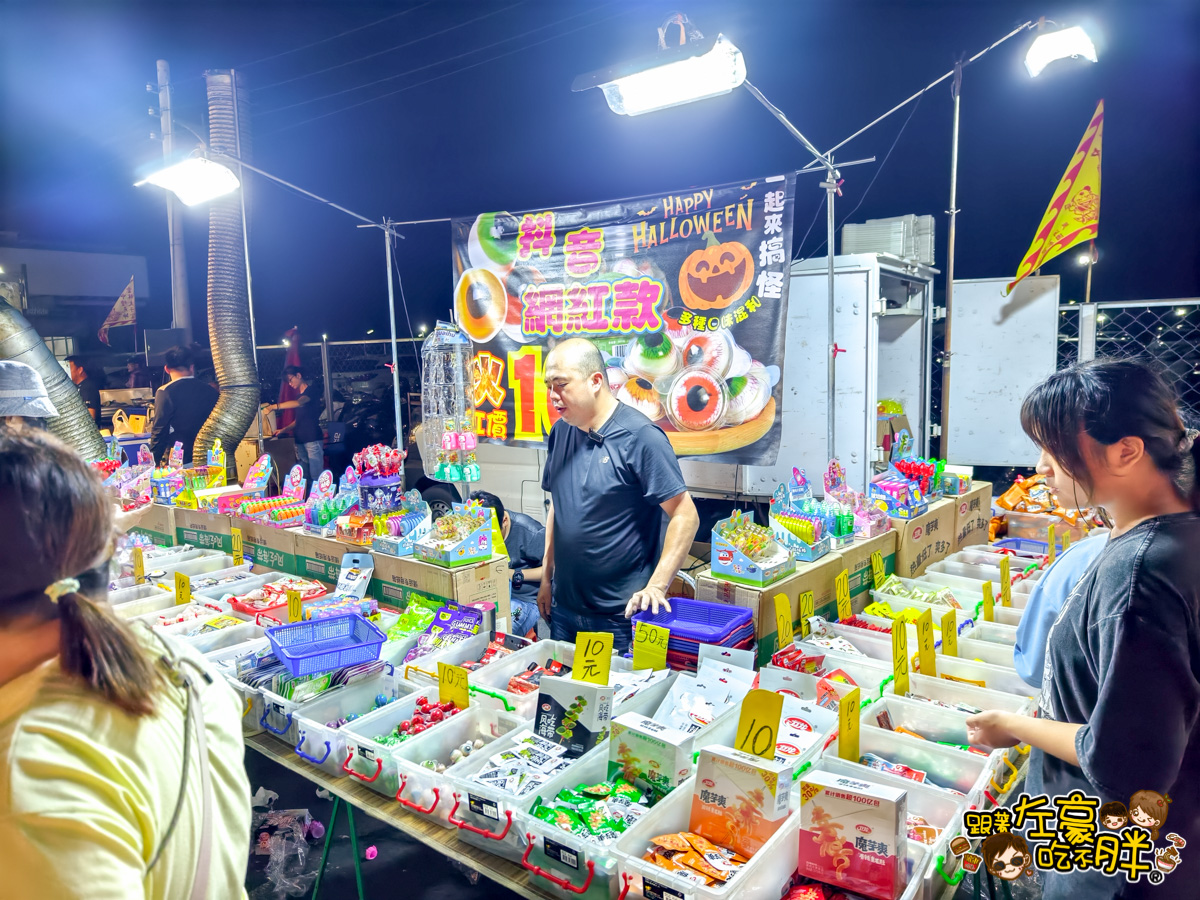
1065	43
195	180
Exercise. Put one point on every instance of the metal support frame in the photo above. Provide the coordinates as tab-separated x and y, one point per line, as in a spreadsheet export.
956	90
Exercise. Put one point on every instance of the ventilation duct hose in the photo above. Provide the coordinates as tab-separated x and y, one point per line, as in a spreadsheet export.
229	330
73	425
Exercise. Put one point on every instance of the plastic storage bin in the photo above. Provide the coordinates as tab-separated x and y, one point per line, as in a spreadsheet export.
423	671
992	632
279	714
226	637
971	597
982	573
1035	527
956	772
946	691
224	660
369	761
985	651
149	597
322	645
997	678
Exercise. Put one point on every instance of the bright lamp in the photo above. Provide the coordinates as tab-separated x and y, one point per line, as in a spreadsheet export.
1067	43
195	180
701	70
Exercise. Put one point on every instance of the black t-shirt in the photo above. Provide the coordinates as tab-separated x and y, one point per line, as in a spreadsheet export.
1123	660
526	543
307	414
89	392
607	521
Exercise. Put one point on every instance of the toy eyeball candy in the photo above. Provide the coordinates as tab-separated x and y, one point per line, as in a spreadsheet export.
748	395
713	350
652	356
697	400
481	304
616	378
641	395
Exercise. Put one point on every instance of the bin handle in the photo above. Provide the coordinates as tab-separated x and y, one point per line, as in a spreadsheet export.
271	728
258	620
949	879
423	810
312	759
884	684
554	879
1012	779
476	689
349	771
420	670
249	703
474	829
625	880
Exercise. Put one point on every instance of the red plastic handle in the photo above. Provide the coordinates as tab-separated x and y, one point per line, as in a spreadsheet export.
349	771
554	879
474	829
625	880
420	809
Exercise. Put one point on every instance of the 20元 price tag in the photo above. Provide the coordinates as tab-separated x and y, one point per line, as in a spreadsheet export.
593	656
139	566
650	646
900	681
295	607
989	603
950	634
925	652
758	724
878	575
783	621
183	589
841	591
807	602
848	708
1006	582
237	554
452	685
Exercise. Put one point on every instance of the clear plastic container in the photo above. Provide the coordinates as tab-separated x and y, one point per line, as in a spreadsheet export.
1035	527
237	588
981	573
226	637
369	761
985	651
158	595
423	671
868	673
280	716
1020	591
995	677
971	597
992	632
947	768
163	560
946	691
224	660
202	614
448	437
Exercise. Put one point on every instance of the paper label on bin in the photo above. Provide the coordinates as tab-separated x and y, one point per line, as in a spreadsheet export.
560	853
452	685
878	577
806	612
841	589
989	603
783	620
593	657
900	658
949	634
139	566
652	890
481	806
758	725
925	643
1006	582
848	708
183	589
650	647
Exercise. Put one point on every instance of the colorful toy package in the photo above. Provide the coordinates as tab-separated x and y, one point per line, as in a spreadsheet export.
795	526
450	625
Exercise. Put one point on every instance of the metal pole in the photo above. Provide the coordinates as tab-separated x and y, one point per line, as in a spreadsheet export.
387	240
325	374
1087	291
944	442
181	316
830	185
237	130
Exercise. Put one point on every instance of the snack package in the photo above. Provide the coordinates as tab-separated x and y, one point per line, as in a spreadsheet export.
648	754
739	799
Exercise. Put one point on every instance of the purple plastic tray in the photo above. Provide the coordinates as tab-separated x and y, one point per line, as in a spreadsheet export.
698	621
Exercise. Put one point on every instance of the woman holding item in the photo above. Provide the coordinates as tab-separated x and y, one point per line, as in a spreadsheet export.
1121	685
121	770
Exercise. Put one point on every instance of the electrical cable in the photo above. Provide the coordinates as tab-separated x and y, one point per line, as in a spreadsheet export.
403	300
816	215
426	37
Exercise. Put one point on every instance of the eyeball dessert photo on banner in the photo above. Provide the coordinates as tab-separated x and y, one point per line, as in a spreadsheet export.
684	294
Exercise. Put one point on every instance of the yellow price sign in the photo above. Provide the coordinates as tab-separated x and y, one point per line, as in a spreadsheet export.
989	603
1006	582
1052	546
841	590
783	620
238	556
295	608
593	656
848	708
899	657
758	724
650	646
950	634
139	566
183	589
806	610
452	685
925	643
1066	541
878	576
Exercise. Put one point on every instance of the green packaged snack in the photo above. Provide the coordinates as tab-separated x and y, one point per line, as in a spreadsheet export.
598	820
627	791
573	799
562	818
603	789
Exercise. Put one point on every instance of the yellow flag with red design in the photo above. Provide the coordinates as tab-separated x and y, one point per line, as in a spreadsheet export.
124	312
1073	215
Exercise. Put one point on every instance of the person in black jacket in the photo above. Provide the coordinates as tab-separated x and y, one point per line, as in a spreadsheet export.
306	426
89	388
181	406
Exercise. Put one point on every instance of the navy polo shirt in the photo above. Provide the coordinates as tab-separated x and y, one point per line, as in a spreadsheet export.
607	522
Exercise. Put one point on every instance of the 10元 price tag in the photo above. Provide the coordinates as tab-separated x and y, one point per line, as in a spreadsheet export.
950	634
139	566
841	591
593	656
848	708
295	608
989	603
758	724
650	646
183	589
900	681
783	621
925	652
1006	582
452	685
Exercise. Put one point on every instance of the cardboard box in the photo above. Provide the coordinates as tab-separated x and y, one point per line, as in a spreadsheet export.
925	539
203	529
158	524
399	579
267	547
649	754
857	559
573	714
319	558
973	512
723	800
816	577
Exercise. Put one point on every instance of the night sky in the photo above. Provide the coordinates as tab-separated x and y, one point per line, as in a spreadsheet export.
476	114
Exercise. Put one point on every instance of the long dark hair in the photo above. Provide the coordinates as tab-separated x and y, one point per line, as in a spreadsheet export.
60	524
1111	399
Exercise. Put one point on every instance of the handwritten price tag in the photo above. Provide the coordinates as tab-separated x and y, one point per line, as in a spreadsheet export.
139	566
989	603
295	608
758	724
650	646
1052	545
452	685
806	611
841	590
183	589
783	620
238	556
925	643
848	726
1066	541
899	657
593	656
949	634
878	576
1006	582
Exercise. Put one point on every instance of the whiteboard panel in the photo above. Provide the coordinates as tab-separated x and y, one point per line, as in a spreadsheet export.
1002	347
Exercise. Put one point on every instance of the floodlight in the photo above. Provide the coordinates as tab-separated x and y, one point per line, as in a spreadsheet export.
195	180
1066	43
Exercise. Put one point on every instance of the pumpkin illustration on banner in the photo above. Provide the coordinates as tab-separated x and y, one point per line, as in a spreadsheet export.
715	276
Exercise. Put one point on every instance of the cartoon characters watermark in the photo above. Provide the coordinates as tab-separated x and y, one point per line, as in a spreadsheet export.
1072	833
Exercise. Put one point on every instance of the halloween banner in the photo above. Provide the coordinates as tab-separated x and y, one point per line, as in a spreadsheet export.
685	295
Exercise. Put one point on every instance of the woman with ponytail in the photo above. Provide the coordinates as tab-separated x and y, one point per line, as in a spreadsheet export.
1120	700
99	724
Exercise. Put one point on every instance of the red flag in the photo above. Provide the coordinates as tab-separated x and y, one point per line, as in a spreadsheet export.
285	417
124	312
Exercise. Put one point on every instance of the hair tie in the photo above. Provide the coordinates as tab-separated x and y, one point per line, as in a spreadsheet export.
1189	438
60	587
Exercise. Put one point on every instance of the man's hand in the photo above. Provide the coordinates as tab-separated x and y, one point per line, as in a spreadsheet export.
649	597
991	728
544	596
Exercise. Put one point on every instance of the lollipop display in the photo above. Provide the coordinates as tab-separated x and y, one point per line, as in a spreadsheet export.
380	473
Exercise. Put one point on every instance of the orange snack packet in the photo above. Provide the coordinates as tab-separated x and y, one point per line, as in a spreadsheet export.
671	842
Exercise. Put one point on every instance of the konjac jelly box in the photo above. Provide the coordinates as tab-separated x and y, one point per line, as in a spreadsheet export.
649	754
853	833
739	799
575	714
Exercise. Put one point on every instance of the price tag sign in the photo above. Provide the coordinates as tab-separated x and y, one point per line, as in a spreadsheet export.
1052	545
593	656
183	589
848	726
139	566
989	603
806	611
841	590
877	574
650	646
238	556
925	643
759	723
1066	541
783	620
1006	581
294	606
899	657
452	685
950	634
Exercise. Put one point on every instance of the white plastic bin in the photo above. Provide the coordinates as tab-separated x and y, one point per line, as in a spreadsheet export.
226	637
992	632
946	691
970	595
225	661
986	651
996	677
237	588
148	598
423	671
948	768
279	714
369	761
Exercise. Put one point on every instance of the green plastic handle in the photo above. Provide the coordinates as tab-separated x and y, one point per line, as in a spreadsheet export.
949	879
475	689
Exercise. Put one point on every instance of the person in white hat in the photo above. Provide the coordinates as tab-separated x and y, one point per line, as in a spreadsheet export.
22	394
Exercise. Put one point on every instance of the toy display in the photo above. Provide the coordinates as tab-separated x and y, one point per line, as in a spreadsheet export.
805	534
448	436
900	496
397	532
380	473
748	553
461	537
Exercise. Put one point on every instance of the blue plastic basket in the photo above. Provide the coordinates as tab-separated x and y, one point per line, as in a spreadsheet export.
698	621
323	645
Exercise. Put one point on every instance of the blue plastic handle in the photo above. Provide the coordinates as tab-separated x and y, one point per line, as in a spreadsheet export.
263	722
312	759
